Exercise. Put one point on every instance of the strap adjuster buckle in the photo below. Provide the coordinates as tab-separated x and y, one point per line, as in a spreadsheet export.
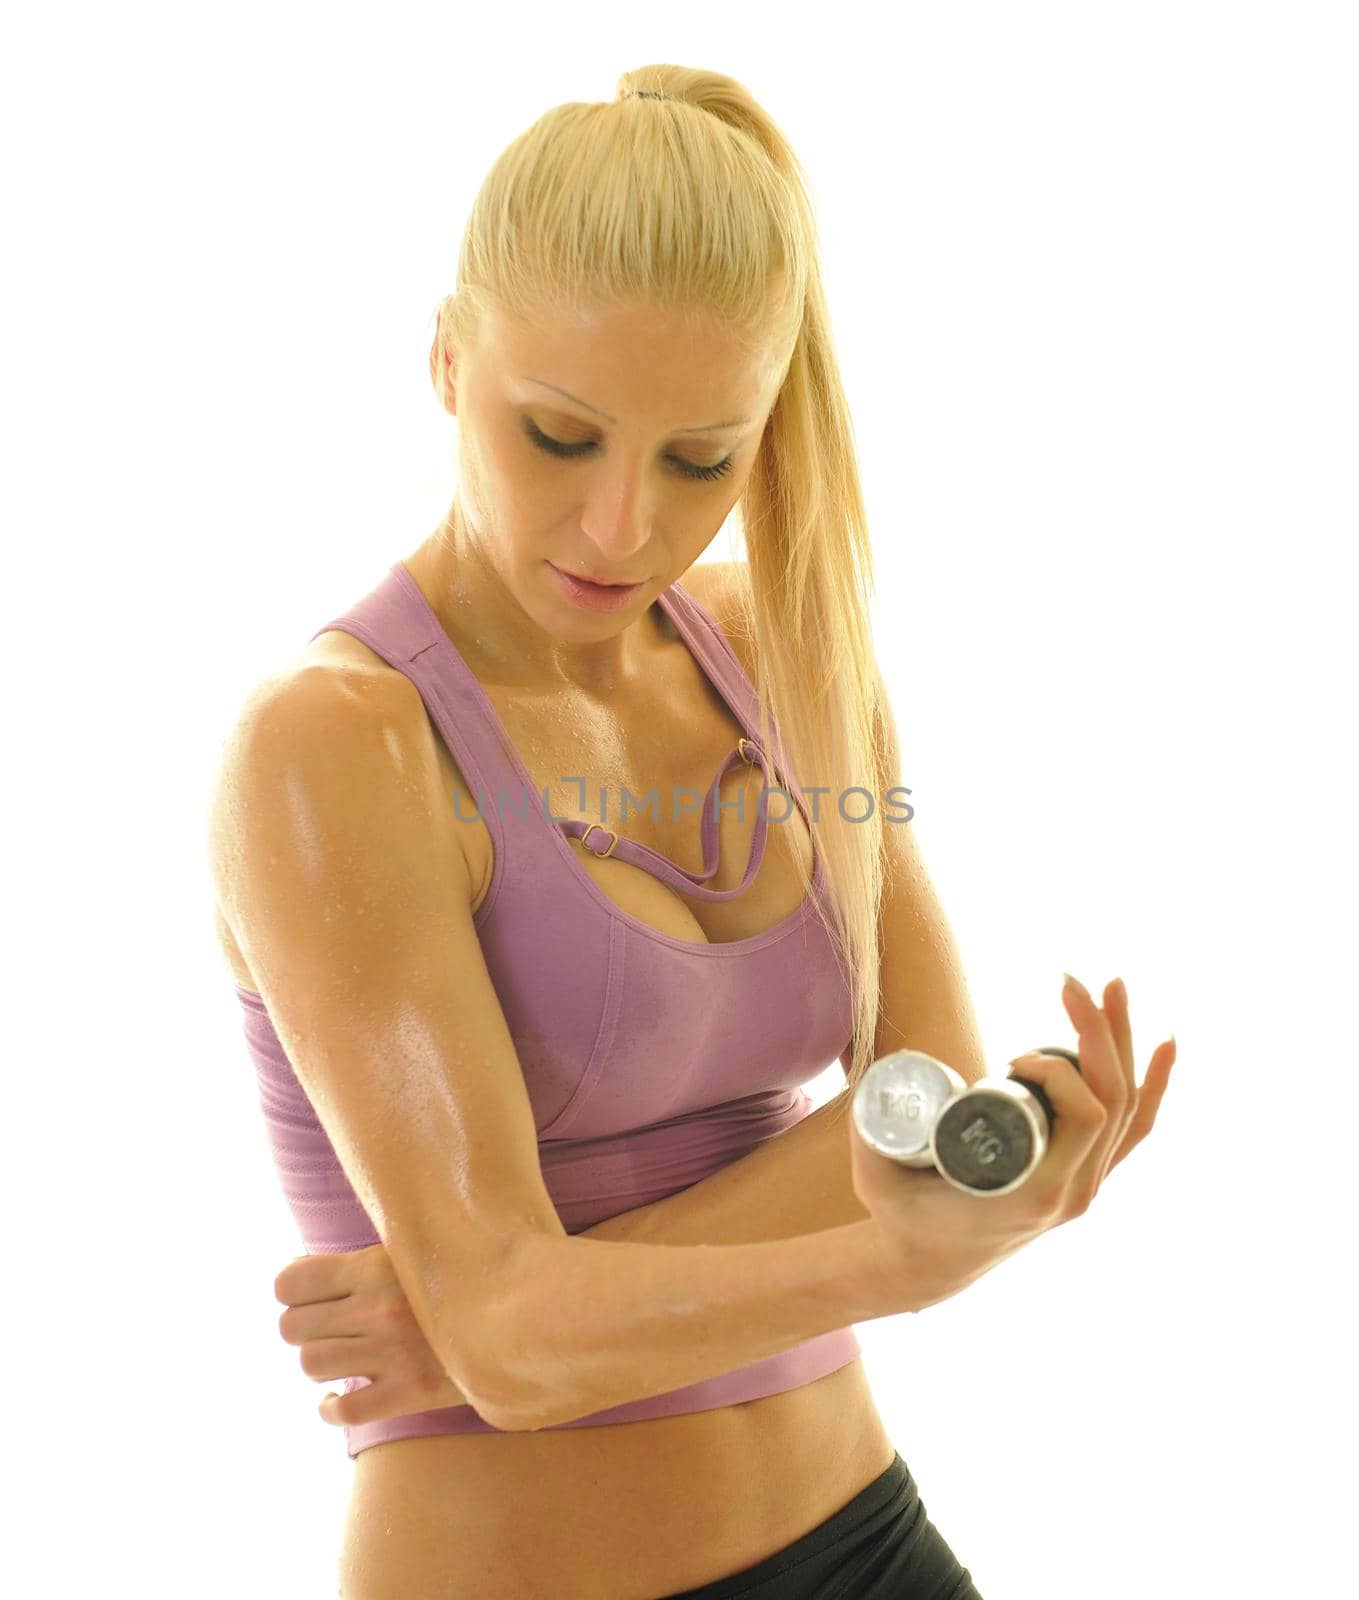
613	840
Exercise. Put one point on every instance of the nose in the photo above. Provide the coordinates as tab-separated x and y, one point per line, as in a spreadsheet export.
616	520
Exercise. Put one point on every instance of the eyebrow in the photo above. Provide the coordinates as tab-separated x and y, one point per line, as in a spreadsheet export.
708	427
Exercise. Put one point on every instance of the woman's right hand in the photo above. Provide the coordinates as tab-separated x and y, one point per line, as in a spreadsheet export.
945	1238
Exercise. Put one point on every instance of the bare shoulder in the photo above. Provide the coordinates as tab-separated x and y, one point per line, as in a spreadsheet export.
337	685
722	589
314	716
338	725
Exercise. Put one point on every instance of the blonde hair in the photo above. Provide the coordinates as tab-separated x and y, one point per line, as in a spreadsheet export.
683	193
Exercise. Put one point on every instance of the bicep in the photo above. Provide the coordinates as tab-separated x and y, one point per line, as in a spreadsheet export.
350	894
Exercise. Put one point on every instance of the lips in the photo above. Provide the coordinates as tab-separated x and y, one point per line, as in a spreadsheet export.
604	583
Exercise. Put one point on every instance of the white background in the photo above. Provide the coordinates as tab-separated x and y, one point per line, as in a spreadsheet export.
1092	274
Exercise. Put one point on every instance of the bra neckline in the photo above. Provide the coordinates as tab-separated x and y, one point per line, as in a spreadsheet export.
692	642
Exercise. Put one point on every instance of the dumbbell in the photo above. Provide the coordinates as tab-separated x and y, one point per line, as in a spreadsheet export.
984	1138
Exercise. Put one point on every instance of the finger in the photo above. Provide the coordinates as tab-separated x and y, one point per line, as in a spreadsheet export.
311	1278
1116	1010
322	1319
1079	1119
338	1407
325	1359
372	1402
285	1284
1148	1099
1120	1028
1098	1053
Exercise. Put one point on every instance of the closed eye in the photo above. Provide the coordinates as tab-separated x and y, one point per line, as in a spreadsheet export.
570	451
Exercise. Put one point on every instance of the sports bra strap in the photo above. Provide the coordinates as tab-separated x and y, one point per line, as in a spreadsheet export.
640	855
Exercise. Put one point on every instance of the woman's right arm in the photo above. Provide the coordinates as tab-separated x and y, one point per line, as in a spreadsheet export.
342	875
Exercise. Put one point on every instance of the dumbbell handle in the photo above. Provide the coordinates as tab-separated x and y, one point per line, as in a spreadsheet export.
1036	1089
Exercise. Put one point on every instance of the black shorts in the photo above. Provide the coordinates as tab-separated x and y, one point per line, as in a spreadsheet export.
881	1544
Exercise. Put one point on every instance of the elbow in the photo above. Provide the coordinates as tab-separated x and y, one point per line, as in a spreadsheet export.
527	1421
502	1417
486	1386
474	1358
507	1408
497	1388
500	1366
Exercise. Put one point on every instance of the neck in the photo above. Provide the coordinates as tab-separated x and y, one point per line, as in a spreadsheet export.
505	642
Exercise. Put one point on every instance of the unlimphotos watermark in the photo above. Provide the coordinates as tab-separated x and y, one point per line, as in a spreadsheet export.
523	803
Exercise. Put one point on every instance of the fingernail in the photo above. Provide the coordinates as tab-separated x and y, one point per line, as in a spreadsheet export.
1122	990
1078	986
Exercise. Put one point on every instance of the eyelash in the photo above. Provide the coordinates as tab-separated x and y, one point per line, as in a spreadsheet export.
572	451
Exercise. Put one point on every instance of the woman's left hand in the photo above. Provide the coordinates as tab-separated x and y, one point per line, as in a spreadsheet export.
349	1317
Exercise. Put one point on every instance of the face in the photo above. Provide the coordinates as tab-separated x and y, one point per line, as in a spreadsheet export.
612	447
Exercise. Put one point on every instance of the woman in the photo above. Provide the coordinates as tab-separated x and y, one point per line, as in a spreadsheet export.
488	1032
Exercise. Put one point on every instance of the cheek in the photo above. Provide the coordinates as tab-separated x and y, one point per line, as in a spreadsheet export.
489	456
492	473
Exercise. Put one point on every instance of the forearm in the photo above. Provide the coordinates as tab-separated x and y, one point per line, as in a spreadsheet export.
586	1324
797	1182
